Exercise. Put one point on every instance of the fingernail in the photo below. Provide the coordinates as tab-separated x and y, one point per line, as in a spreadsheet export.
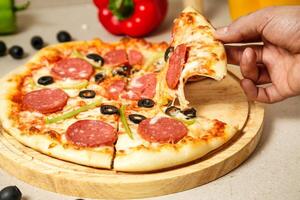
222	31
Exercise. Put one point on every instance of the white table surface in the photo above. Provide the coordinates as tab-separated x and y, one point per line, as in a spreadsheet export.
271	173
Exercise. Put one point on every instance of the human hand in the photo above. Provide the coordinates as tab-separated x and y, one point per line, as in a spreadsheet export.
276	62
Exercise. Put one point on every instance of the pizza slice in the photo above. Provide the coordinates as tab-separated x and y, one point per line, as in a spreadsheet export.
193	52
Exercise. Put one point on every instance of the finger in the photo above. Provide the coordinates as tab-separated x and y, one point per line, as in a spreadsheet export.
234	53
246	28
248	65
265	95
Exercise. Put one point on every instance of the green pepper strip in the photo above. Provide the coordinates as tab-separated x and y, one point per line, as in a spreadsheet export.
78	85
187	121
124	121
73	112
77	54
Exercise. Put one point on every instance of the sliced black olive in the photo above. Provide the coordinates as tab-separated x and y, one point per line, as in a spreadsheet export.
136	118
109	110
147	103
16	52
172	110
99	77
37	42
10	193
3	48
96	58
123	71
190	112
63	36
87	94
45	80
168	53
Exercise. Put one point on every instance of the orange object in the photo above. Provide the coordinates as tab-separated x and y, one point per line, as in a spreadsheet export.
243	7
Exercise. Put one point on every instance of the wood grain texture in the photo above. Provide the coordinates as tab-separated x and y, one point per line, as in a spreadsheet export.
223	100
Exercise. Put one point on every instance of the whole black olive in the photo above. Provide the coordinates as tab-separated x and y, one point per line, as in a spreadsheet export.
96	58
87	94
3	48
190	112
45	80
172	110
99	77
63	36
37	42
16	52
109	110
168	53
147	103
136	118
10	193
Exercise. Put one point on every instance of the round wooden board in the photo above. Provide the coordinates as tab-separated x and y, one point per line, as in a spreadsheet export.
223	100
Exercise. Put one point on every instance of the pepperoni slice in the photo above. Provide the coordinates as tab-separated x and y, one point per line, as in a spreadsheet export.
142	87
116	57
45	100
73	68
135	57
162	130
176	64
91	133
115	89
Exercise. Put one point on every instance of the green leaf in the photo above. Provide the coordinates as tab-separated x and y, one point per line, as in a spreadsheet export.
73	112
122	9
124	121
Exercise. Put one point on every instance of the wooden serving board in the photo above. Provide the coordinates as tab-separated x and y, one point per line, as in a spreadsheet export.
223	100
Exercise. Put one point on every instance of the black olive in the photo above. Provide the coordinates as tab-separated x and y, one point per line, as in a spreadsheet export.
10	193
99	77
147	103
136	118
37	42
168	53
190	112
45	80
172	110
16	52
96	58
3	48
109	110
87	94
124	70
63	36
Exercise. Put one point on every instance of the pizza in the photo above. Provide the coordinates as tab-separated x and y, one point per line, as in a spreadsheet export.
113	105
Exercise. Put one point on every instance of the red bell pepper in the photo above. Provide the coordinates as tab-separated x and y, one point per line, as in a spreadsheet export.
134	18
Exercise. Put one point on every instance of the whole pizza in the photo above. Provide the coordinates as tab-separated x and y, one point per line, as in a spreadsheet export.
114	105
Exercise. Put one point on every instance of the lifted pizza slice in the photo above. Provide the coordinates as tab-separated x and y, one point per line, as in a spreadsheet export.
193	52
